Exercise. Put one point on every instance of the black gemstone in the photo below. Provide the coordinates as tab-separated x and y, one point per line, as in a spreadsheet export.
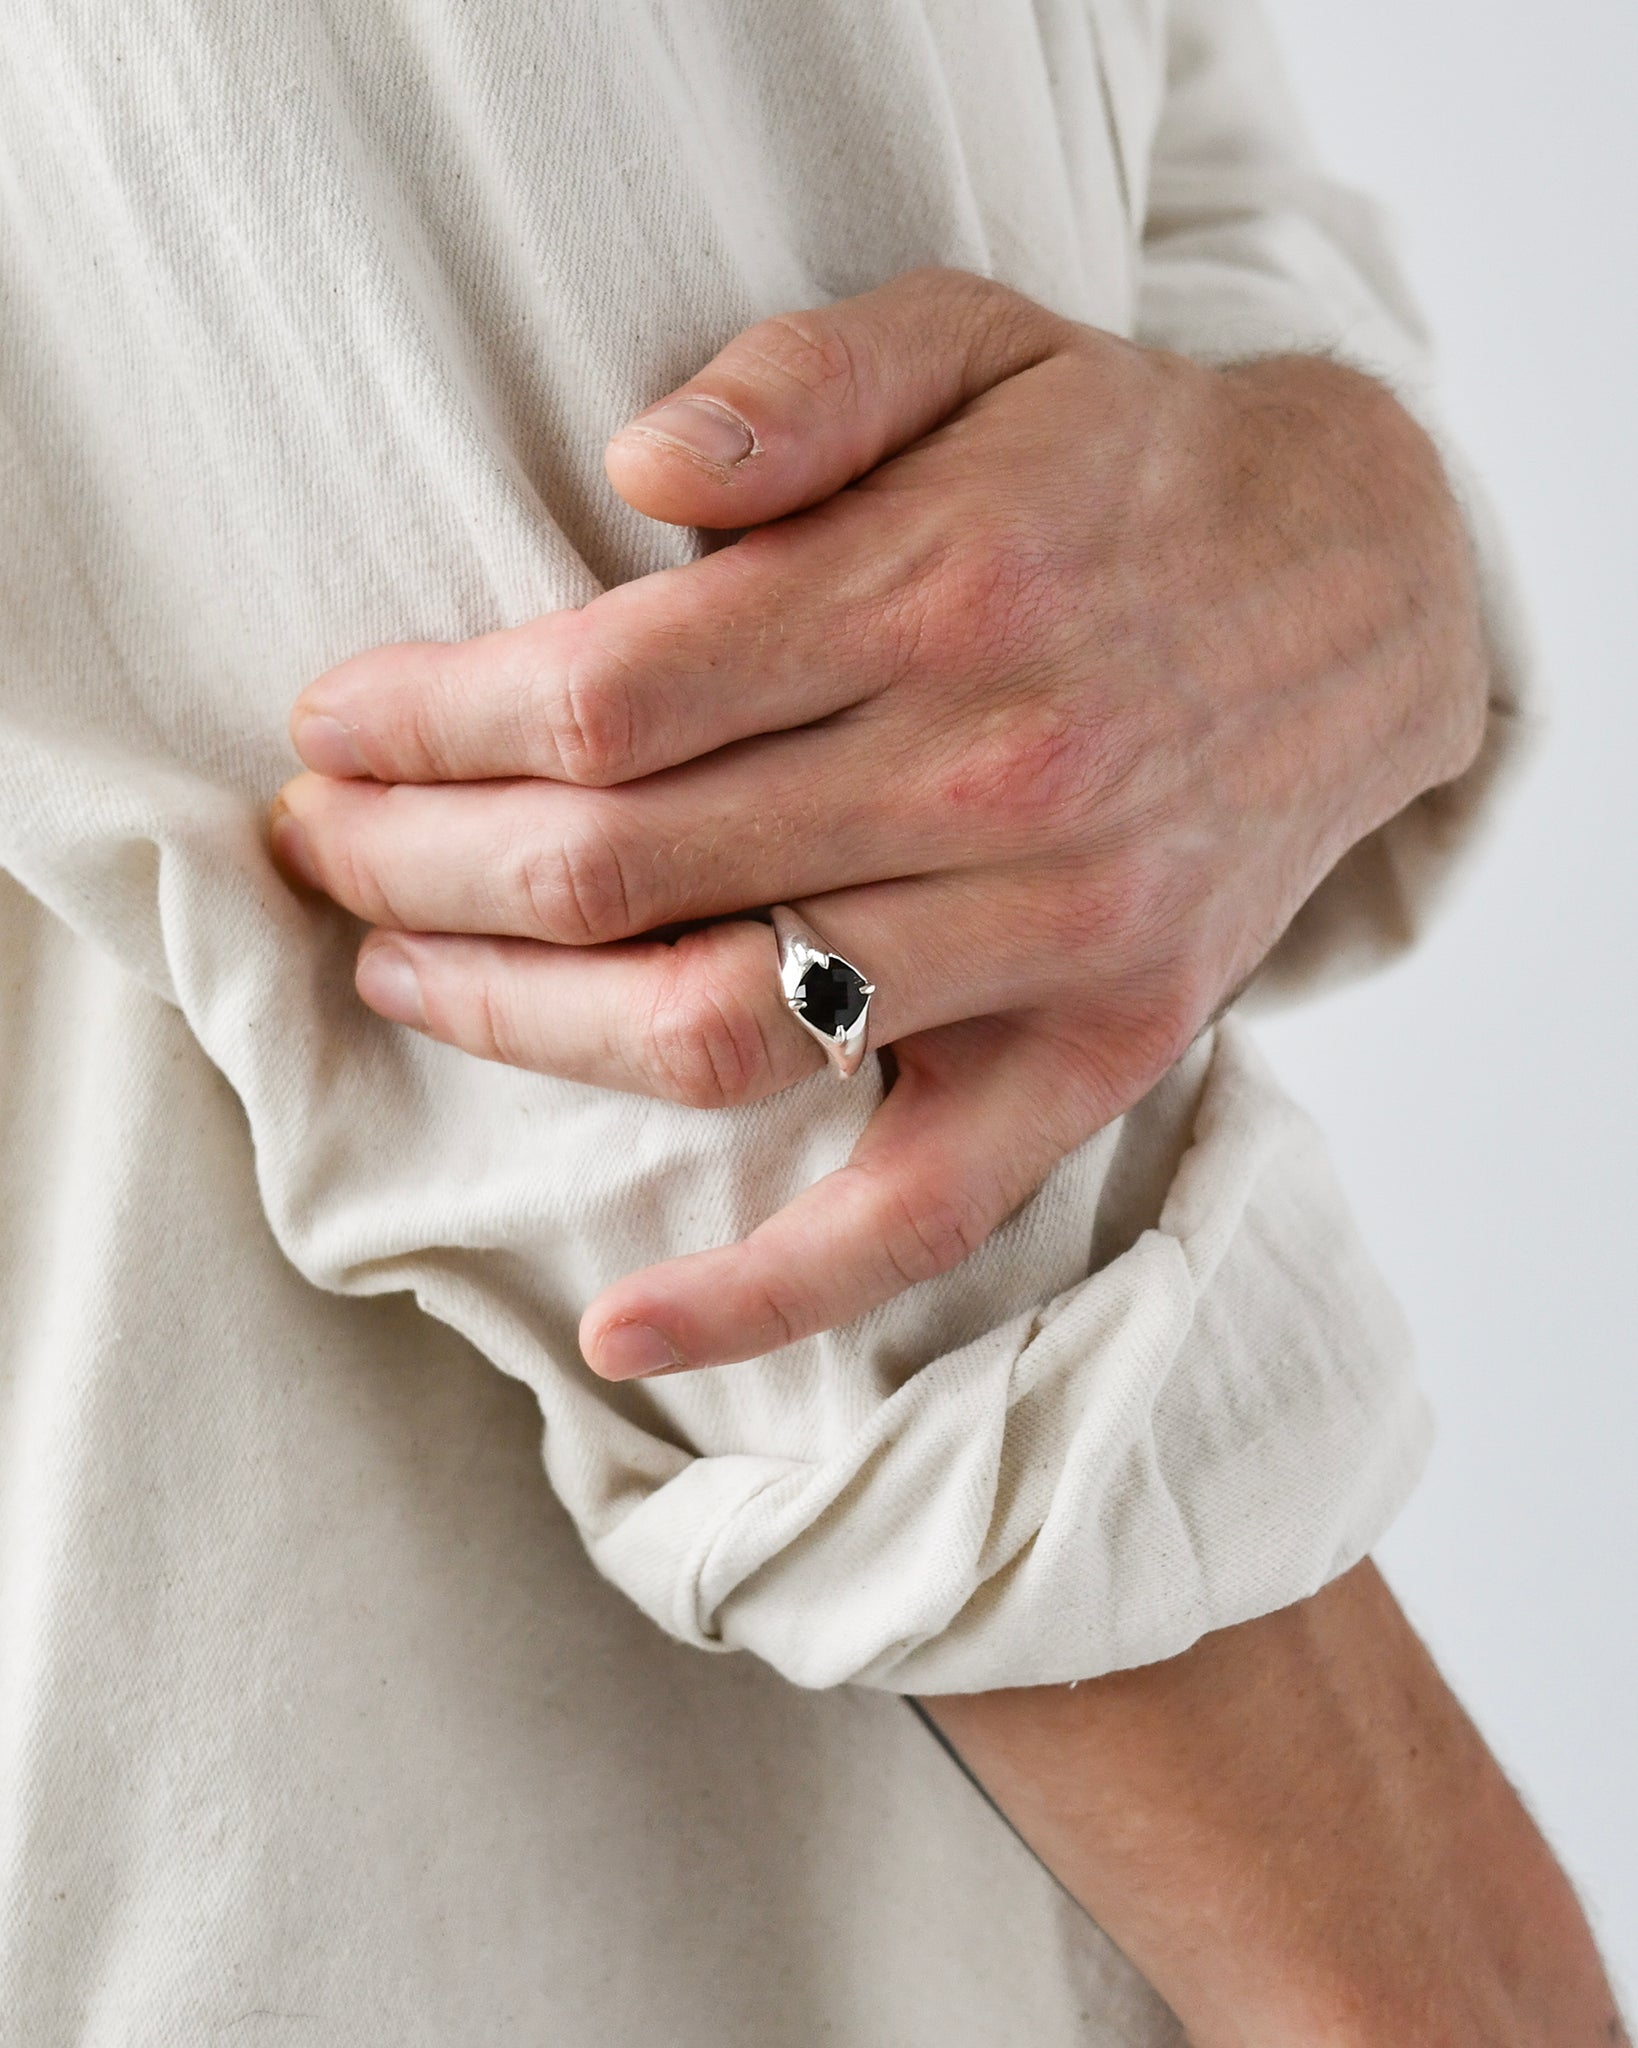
833	997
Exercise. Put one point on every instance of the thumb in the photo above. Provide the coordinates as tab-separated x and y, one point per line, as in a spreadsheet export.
799	405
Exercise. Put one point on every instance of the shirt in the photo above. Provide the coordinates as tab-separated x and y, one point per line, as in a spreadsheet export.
314	1715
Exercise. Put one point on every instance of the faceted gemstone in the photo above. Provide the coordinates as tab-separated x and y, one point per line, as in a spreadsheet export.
833	997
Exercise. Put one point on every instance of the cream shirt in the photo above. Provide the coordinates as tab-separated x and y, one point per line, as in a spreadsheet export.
316	1724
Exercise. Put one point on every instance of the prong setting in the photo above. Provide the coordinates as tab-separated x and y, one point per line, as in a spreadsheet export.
826	994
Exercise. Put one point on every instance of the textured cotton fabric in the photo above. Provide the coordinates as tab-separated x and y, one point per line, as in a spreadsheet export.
315	321
317	1727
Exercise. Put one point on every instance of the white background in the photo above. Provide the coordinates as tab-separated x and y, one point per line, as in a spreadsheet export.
1481	1100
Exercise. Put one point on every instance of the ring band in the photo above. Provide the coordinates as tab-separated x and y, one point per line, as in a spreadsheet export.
826	994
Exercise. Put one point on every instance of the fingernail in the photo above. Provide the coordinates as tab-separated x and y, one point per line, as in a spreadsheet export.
631	1351
327	746
702	426
388	982
290	847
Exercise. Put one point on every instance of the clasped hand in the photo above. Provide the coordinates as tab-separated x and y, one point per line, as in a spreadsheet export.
1050	676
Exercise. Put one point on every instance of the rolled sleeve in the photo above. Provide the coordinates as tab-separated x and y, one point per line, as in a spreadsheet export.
1208	1426
1171	1392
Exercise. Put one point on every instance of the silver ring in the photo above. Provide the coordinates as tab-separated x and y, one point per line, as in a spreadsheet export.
826	994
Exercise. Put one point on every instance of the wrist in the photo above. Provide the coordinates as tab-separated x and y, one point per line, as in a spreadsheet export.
1363	470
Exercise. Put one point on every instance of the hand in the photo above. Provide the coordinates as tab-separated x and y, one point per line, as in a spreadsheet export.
1052	677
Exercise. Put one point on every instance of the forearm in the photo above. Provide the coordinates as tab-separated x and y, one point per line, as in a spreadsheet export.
1297	1834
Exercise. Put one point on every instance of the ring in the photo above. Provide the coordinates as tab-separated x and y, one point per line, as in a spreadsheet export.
826	994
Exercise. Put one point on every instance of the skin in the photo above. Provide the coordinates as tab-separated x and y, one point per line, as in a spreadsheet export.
1049	678
1053	676
1300	1838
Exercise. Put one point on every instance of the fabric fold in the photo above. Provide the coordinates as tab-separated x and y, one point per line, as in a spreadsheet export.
1171	1392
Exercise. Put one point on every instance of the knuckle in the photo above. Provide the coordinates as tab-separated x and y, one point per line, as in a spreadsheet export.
1139	955
1031	779
1002	592
951	608
1179	1006
359	879
704	1046
1069	920
1149	894
412	705
1137	918
925	1233
897	621
422	724
995	597
784	1314
977	309
1045	770
1163	981
587	716
413	737
572	887
492	1024
812	351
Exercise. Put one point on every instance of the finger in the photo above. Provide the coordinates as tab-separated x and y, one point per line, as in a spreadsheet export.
766	822
798	406
978	1116
672	665
704	1021
648	675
